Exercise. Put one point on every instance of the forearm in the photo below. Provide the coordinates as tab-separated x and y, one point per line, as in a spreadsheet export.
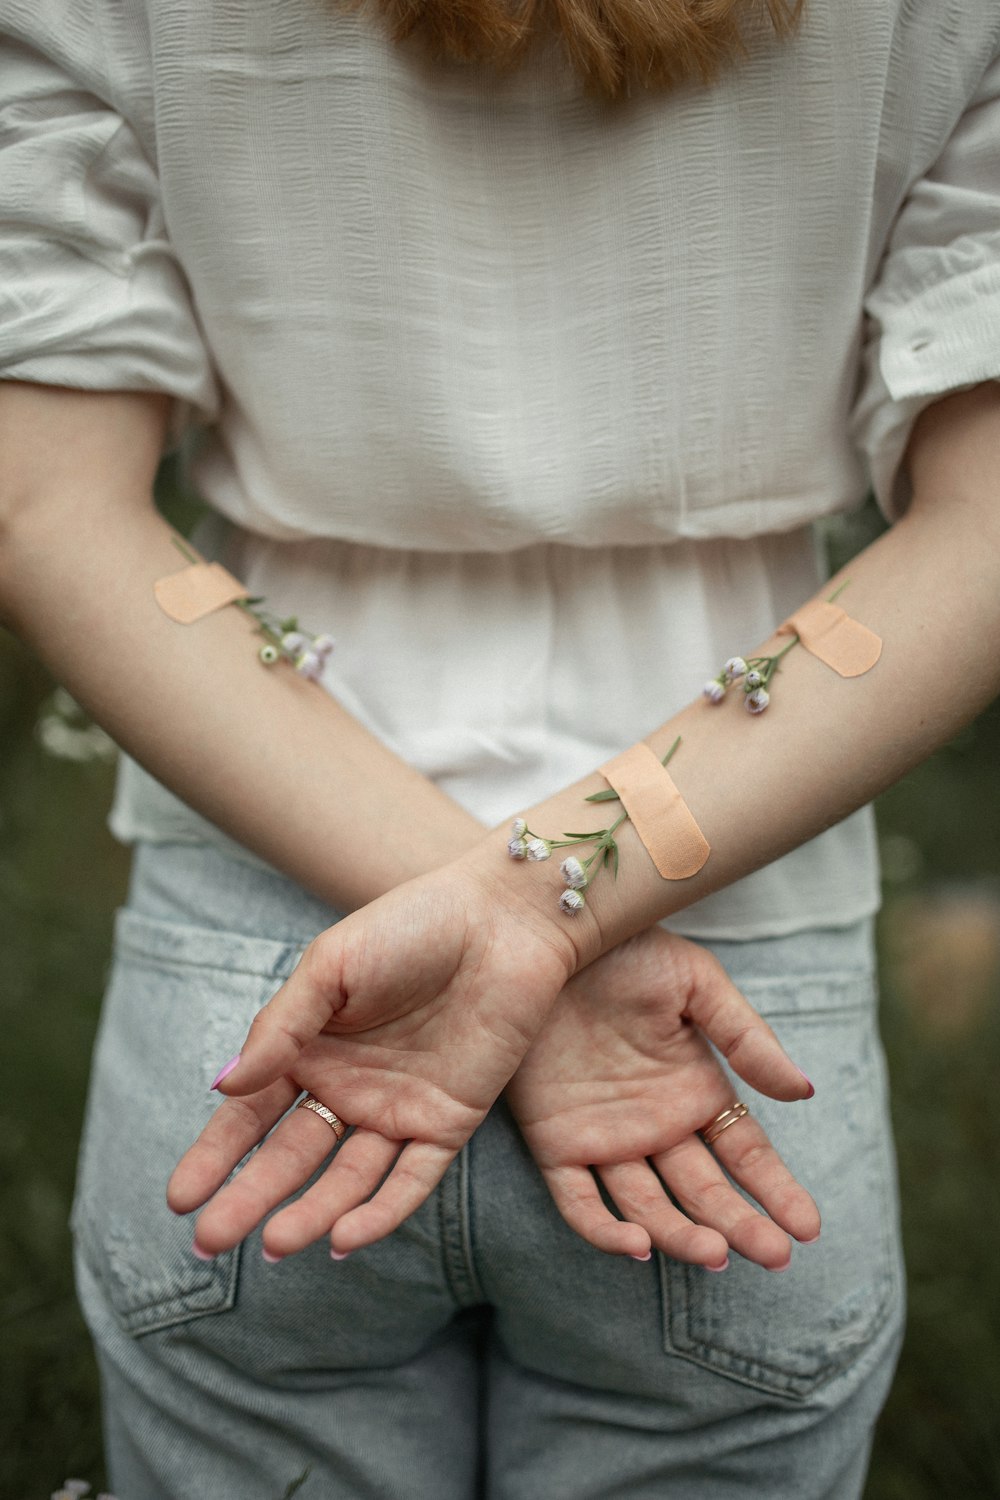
758	787
270	758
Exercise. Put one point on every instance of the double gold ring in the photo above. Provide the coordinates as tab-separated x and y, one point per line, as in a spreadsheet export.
730	1116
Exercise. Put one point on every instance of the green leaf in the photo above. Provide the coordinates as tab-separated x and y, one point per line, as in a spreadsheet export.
596	833
610	795
615	848
666	759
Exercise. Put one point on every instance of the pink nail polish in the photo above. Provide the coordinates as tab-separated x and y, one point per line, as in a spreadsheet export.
200	1253
648	1256
811	1241
225	1071
812	1086
776	1269
339	1254
716	1269
272	1260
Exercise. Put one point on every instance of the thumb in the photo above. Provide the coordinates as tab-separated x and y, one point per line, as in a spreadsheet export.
290	1020
743	1037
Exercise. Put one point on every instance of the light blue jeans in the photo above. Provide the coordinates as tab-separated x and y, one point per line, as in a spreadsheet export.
483	1350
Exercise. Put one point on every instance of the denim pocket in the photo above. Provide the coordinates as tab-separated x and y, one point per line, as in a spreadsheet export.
179	1002
790	1332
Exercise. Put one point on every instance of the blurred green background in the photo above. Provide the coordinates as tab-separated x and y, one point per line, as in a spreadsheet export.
61	876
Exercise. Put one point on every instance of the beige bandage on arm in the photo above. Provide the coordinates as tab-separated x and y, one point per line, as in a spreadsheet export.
847	646
661	817
196	591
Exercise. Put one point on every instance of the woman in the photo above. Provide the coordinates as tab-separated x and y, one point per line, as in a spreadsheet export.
541	392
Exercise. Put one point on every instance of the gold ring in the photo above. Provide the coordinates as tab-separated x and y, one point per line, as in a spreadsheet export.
335	1123
730	1116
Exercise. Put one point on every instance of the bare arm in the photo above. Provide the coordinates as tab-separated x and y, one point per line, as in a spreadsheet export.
759	787
481	943
270	758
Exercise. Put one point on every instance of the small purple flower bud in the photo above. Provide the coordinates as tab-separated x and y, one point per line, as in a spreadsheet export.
323	645
519	828
310	665
293	641
757	701
754	679
573	873
517	849
538	849
714	691
571	902
735	668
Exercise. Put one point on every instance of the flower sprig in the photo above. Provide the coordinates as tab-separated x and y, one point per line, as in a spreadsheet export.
282	637
755	673
577	873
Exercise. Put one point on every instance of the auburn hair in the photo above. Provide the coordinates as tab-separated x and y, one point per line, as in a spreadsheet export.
616	47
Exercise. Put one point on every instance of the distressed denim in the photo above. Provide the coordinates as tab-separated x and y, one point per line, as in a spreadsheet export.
483	1350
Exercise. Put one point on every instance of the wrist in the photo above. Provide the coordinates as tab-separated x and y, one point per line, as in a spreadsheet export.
531	903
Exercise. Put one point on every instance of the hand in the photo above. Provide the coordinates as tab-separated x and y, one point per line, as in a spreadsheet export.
406	1019
620	1078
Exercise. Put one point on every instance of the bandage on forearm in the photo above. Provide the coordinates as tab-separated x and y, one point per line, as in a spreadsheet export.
830	634
658	812
197	591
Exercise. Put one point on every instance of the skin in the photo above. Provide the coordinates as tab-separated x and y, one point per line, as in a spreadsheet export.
80	547
422	1003
611	1084
484	951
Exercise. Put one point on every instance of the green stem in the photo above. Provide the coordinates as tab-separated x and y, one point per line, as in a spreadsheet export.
192	557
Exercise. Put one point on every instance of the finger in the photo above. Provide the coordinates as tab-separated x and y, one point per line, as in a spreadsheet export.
292	1018
578	1199
416	1173
748	1156
742	1036
700	1186
234	1129
640	1195
350	1179
286	1160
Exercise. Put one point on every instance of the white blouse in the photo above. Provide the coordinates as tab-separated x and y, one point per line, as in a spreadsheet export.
529	400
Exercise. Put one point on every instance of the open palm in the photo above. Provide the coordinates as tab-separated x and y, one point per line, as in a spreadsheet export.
406	1019
621	1077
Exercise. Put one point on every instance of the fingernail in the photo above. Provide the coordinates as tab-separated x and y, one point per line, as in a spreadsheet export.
776	1269
272	1260
723	1267
812	1086
224	1072
648	1256
339	1254
811	1241
201	1254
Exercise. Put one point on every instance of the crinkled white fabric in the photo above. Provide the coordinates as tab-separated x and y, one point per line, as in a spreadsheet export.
457	312
428	310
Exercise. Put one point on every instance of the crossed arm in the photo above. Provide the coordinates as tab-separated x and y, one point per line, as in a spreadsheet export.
458	967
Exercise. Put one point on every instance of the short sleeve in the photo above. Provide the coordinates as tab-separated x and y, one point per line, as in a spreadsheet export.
933	313
91	293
